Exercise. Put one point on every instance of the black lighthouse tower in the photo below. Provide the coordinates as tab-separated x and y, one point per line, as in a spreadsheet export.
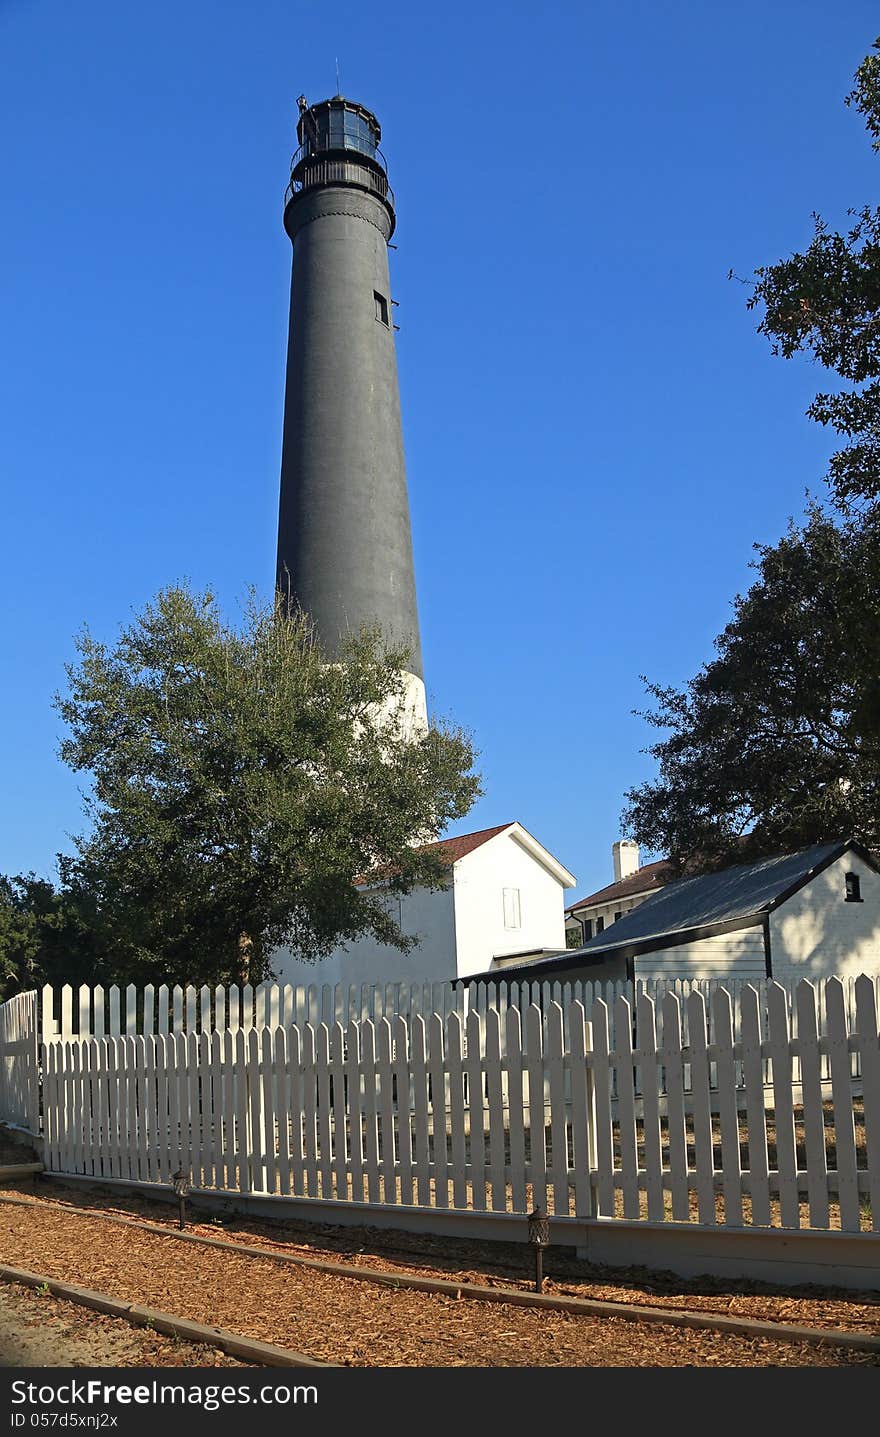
344	544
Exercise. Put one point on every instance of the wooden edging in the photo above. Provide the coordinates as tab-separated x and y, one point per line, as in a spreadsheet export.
396	1278
264	1354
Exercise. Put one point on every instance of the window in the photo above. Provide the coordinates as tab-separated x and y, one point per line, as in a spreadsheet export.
600	925
511	908
618	915
588	929
381	307
853	888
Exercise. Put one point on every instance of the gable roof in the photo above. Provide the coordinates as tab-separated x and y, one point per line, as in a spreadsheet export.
450	850
645	880
737	897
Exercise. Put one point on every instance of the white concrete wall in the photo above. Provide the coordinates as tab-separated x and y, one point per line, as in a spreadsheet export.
817	934
739	954
480	880
422	912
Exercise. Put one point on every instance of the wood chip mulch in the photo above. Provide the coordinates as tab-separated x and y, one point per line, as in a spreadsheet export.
343	1321
502	1265
37	1330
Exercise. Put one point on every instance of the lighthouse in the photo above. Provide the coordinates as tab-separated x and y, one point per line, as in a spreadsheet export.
344	541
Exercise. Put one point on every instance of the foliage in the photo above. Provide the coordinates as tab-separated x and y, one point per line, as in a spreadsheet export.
47	935
776	742
241	784
826	302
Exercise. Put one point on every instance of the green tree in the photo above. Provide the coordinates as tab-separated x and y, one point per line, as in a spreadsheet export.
48	934
19	940
776	742
826	302
241	784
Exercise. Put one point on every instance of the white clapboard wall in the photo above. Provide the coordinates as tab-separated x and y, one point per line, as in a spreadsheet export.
668	1112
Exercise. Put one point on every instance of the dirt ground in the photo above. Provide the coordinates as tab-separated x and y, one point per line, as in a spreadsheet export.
37	1330
344	1321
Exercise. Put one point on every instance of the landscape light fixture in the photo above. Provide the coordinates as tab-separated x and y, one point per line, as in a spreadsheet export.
181	1191
539	1238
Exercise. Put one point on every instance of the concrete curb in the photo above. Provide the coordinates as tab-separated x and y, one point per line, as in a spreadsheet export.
575	1306
263	1354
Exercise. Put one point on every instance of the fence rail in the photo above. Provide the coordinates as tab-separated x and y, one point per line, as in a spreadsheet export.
763	1110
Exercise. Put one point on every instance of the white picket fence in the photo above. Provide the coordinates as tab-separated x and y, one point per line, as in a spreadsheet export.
672	1112
19	1070
98	1012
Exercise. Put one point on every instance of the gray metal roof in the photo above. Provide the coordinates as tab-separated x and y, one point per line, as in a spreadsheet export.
746	891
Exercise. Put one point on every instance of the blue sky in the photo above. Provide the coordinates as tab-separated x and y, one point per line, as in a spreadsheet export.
595	435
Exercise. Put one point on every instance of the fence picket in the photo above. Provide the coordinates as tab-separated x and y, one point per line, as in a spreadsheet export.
811	1099
371	1136
841	1092
163	1024
337	1095
322	1061
649	1080
476	1111
582	1116
282	1094
115	1028
385	1082
421	1134
537	1163
297	1109
604	1127
756	1117
702	1119
268	1093
495	1109
47	1013
457	1138
228	1149
67	1011
727	1114
324	1110
437	1078
85	1011
142	1110
626	1107
513	1062
554	1059
783	1104
218	1110
404	1121
869	1051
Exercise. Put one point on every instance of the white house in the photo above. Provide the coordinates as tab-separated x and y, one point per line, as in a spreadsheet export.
504	898
632	884
810	914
